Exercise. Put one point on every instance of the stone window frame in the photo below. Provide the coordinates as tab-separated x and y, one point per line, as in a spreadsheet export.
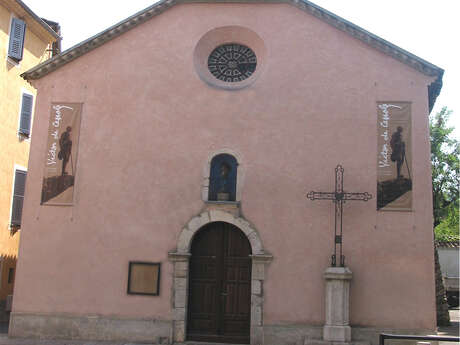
216	65
180	259
207	173
226	35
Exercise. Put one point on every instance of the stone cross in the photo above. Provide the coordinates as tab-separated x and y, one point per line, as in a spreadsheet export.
338	197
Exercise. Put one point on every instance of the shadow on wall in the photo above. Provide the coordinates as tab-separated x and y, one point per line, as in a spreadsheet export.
4	26
36	47
7	275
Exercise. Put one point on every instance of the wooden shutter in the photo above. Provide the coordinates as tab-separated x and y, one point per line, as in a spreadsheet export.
17	34
26	114
18	197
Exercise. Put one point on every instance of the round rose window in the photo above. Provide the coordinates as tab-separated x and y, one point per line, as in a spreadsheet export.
232	62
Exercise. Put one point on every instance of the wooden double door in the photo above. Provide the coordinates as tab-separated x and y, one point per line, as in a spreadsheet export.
219	305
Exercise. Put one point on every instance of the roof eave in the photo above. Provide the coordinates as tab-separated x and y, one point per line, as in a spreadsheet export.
38	20
357	32
95	41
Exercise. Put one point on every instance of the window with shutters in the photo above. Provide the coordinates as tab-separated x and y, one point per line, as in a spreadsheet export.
18	198
25	117
17	35
222	179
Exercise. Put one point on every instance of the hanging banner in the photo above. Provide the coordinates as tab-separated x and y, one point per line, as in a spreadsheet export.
394	156
61	154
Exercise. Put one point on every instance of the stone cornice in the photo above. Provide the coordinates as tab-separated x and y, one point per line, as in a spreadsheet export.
355	31
91	43
365	36
338	273
175	256
262	258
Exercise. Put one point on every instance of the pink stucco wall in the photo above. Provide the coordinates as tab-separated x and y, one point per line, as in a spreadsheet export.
149	123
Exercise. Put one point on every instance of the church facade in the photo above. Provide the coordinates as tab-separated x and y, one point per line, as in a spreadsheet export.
170	166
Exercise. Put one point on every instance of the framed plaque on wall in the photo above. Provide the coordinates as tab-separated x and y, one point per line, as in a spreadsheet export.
144	278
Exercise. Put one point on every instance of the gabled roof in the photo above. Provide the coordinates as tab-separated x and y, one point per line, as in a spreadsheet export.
35	23
357	32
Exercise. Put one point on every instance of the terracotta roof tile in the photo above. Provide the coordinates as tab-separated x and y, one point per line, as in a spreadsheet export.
447	244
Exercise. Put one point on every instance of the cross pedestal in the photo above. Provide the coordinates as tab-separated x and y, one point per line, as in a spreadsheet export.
337	327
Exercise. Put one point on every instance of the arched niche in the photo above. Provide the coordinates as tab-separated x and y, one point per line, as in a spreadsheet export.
235	161
222	178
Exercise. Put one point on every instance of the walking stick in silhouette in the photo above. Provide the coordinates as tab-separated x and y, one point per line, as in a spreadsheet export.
405	159
71	161
407	165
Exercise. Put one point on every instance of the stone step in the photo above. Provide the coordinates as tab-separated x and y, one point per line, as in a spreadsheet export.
204	343
324	342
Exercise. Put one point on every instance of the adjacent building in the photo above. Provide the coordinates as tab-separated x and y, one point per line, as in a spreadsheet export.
25	41
449	260
174	160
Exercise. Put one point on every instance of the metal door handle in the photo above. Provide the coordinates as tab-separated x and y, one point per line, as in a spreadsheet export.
224	293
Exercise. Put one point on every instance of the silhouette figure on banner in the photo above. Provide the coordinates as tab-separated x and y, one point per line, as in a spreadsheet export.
398	148
390	190
66	149
55	185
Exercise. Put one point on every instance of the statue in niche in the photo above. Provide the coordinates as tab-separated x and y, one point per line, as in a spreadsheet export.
223	193
222	178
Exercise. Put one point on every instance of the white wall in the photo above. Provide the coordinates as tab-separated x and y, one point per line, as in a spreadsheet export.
448	259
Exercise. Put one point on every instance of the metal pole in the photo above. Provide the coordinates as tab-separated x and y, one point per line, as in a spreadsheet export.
342	258
384	336
334	257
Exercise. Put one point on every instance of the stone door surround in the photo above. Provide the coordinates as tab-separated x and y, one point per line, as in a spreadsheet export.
180	259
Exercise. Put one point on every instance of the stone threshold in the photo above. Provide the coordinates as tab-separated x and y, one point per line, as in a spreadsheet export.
325	342
203	343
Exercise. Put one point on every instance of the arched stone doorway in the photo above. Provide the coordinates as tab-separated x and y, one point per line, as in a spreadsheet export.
181	257
219	292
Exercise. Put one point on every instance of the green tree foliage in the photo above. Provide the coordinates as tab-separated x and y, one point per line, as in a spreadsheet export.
447	230
445	152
